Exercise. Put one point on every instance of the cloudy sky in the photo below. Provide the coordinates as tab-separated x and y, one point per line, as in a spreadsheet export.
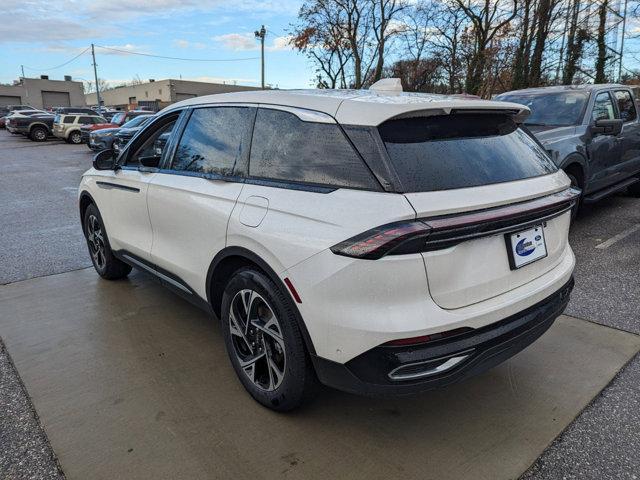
41	34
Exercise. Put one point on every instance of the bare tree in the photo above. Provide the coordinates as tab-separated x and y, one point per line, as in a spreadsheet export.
488	18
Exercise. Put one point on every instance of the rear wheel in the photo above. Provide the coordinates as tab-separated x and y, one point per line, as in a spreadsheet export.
264	343
105	263
38	134
75	138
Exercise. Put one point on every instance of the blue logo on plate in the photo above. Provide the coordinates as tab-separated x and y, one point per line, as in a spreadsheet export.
525	247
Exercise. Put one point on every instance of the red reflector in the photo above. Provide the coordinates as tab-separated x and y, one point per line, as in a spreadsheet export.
293	291
408	341
402	342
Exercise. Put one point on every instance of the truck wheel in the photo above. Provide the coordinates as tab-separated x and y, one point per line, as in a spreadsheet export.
38	134
75	138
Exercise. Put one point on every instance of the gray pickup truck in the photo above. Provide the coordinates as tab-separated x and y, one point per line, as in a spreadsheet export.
592	132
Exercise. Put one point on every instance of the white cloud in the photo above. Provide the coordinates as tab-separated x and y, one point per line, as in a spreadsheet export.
181	43
281	43
237	41
125	49
248	41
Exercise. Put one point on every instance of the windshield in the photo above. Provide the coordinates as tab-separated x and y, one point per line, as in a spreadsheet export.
463	150
559	109
118	117
137	122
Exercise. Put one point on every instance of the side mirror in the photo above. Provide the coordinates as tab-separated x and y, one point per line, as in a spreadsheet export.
606	127
104	160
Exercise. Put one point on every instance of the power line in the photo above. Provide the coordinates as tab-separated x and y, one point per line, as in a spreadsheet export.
58	66
179	58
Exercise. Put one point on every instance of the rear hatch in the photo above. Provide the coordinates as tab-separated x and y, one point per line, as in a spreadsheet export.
480	183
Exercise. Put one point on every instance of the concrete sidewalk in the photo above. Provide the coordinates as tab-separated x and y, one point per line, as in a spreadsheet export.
131	382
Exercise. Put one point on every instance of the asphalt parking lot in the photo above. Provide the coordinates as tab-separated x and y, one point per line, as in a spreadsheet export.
40	236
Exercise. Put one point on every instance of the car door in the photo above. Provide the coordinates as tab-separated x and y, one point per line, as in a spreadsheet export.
124	201
603	150
191	199
629	161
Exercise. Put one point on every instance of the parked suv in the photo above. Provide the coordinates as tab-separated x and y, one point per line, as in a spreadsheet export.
67	127
128	130
107	138
116	121
381	243
591	131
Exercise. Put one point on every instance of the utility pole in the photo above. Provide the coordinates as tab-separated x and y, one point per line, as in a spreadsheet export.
95	73
261	34
22	68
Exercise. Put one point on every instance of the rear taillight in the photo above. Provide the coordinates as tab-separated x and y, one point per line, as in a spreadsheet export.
378	242
428	234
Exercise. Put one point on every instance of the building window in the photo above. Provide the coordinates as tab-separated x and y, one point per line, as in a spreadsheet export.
160	91
132	100
146	94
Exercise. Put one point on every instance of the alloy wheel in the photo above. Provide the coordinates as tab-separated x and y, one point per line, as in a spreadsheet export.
75	138
40	134
257	340
95	238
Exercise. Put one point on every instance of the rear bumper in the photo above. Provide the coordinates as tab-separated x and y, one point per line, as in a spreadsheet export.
445	361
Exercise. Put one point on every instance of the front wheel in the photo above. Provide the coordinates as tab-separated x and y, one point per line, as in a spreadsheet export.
75	138
264	342
575	184
105	263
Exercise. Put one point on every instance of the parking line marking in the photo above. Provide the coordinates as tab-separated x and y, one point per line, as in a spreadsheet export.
622	235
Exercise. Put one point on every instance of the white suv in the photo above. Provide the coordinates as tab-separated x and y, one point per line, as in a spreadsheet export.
379	242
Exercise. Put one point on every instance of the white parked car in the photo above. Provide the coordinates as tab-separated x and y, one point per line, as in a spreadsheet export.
379	242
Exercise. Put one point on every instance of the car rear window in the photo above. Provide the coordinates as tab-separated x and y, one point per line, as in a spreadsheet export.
462	150
289	149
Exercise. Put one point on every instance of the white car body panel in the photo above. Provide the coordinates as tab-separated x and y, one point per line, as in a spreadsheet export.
300	224
356	107
124	212
189	217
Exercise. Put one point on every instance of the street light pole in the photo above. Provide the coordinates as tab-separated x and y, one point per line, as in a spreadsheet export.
95	73
261	34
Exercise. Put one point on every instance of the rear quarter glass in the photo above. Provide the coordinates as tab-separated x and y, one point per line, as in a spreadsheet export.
446	152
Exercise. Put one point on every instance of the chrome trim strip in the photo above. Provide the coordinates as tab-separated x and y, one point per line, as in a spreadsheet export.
156	273
111	186
448	365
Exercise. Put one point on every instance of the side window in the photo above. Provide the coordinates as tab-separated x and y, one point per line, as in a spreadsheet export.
603	107
85	120
69	119
153	145
625	105
286	148
216	140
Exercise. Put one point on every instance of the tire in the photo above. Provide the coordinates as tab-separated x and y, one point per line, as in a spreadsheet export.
282	378
576	184
39	134
75	138
105	263
634	189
